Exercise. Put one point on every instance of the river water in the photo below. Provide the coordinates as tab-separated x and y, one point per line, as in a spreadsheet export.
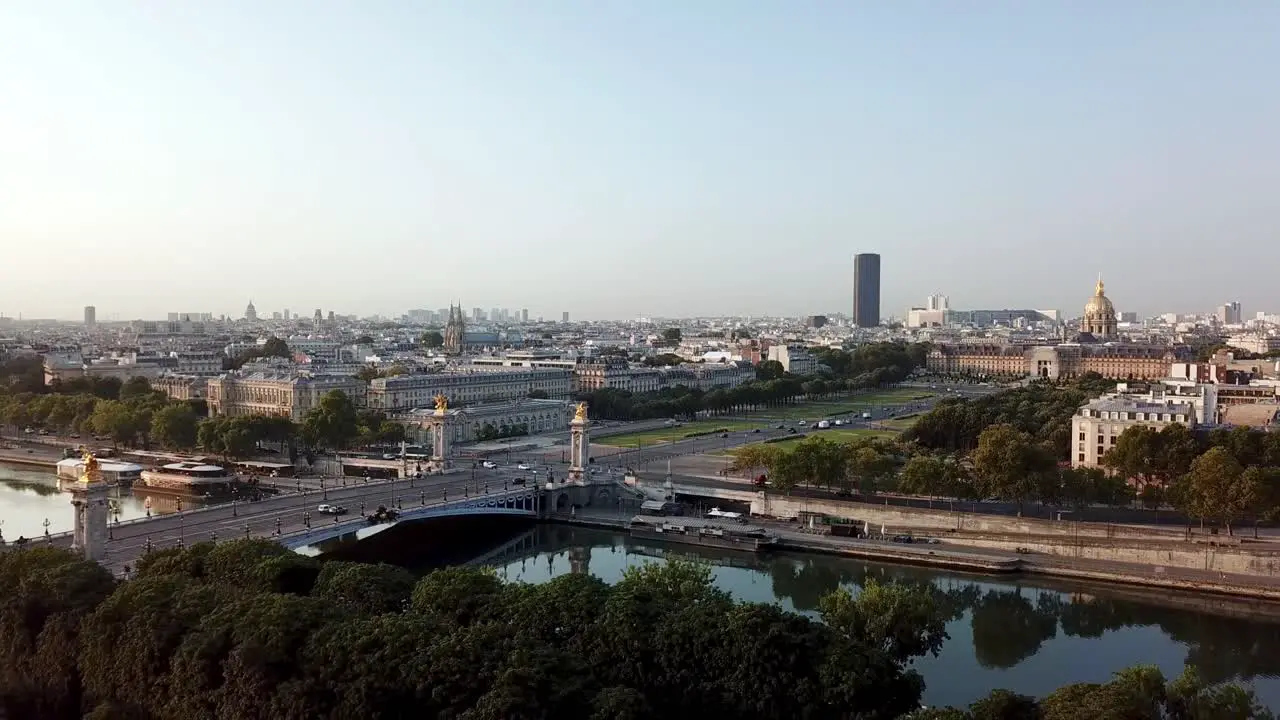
1027	634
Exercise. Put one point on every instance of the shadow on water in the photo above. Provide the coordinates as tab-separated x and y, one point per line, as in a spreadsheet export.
1027	634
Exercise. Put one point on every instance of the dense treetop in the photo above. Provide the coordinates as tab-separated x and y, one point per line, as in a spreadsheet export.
247	629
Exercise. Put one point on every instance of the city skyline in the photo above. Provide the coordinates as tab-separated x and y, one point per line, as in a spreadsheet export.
616	163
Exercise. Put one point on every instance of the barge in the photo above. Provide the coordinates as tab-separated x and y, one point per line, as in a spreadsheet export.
116	473
704	533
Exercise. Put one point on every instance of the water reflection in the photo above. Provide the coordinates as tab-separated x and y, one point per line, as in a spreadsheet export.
1027	634
29	496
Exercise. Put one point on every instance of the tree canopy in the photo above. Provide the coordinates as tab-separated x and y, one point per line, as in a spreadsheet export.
248	629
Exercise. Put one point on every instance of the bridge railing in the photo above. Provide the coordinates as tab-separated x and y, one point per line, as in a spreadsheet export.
501	500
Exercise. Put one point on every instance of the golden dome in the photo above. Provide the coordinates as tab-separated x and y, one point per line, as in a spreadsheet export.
1099	304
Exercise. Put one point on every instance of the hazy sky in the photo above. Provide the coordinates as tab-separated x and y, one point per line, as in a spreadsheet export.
614	158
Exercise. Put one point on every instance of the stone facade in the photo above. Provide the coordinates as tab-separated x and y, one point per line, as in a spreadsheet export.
1068	360
291	395
1096	427
181	387
539	416
467	385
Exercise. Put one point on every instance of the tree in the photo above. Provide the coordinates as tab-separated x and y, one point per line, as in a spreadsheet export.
905	622
1217	488
770	370
672	336
432	339
116	420
924	475
364	340
135	387
1007	462
175	427
537	394
333	423
275	347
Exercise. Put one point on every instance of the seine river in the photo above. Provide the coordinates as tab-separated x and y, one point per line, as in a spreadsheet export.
1027	634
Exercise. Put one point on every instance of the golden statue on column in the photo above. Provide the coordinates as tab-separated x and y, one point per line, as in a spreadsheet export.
442	404
580	413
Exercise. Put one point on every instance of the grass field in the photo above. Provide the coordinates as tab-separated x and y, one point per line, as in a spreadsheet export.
660	435
834	435
858	403
900	423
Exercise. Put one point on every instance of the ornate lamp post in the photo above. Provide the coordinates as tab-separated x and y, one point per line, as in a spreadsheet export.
46	531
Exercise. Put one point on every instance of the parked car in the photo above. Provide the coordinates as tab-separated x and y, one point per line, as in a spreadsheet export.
523	466
489	465
327	509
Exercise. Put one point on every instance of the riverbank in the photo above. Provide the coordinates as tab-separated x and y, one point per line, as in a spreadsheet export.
25	458
994	562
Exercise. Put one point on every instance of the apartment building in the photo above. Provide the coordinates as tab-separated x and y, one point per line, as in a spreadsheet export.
1099	423
794	359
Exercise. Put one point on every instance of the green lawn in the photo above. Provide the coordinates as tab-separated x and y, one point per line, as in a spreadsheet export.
667	434
900	423
855	404
833	434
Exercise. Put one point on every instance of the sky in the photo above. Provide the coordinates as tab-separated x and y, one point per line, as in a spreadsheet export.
617	159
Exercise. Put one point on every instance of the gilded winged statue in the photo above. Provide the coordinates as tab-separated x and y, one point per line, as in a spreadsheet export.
442	403
89	472
580	413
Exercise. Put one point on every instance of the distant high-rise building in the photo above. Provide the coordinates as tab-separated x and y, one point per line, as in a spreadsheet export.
816	321
250	312
866	290
330	317
90	316
524	315
1230	314
564	317
937	302
319	316
477	314
286	313
275	315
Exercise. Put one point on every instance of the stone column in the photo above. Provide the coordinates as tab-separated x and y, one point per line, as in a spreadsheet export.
440	450
89	498
579	446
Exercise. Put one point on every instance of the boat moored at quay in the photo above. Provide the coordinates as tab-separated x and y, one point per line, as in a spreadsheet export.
694	531
116	473
196	477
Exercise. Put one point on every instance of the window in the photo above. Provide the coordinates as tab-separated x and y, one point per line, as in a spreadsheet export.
1082	437
1080	457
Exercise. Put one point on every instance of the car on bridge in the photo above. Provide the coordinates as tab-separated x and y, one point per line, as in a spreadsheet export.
327	509
523	466
489	465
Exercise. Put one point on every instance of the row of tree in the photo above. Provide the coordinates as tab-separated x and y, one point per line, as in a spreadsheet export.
248	629
867	366
1042	409
137	416
1008	465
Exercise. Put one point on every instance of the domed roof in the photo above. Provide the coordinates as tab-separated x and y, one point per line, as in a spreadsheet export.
1099	304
